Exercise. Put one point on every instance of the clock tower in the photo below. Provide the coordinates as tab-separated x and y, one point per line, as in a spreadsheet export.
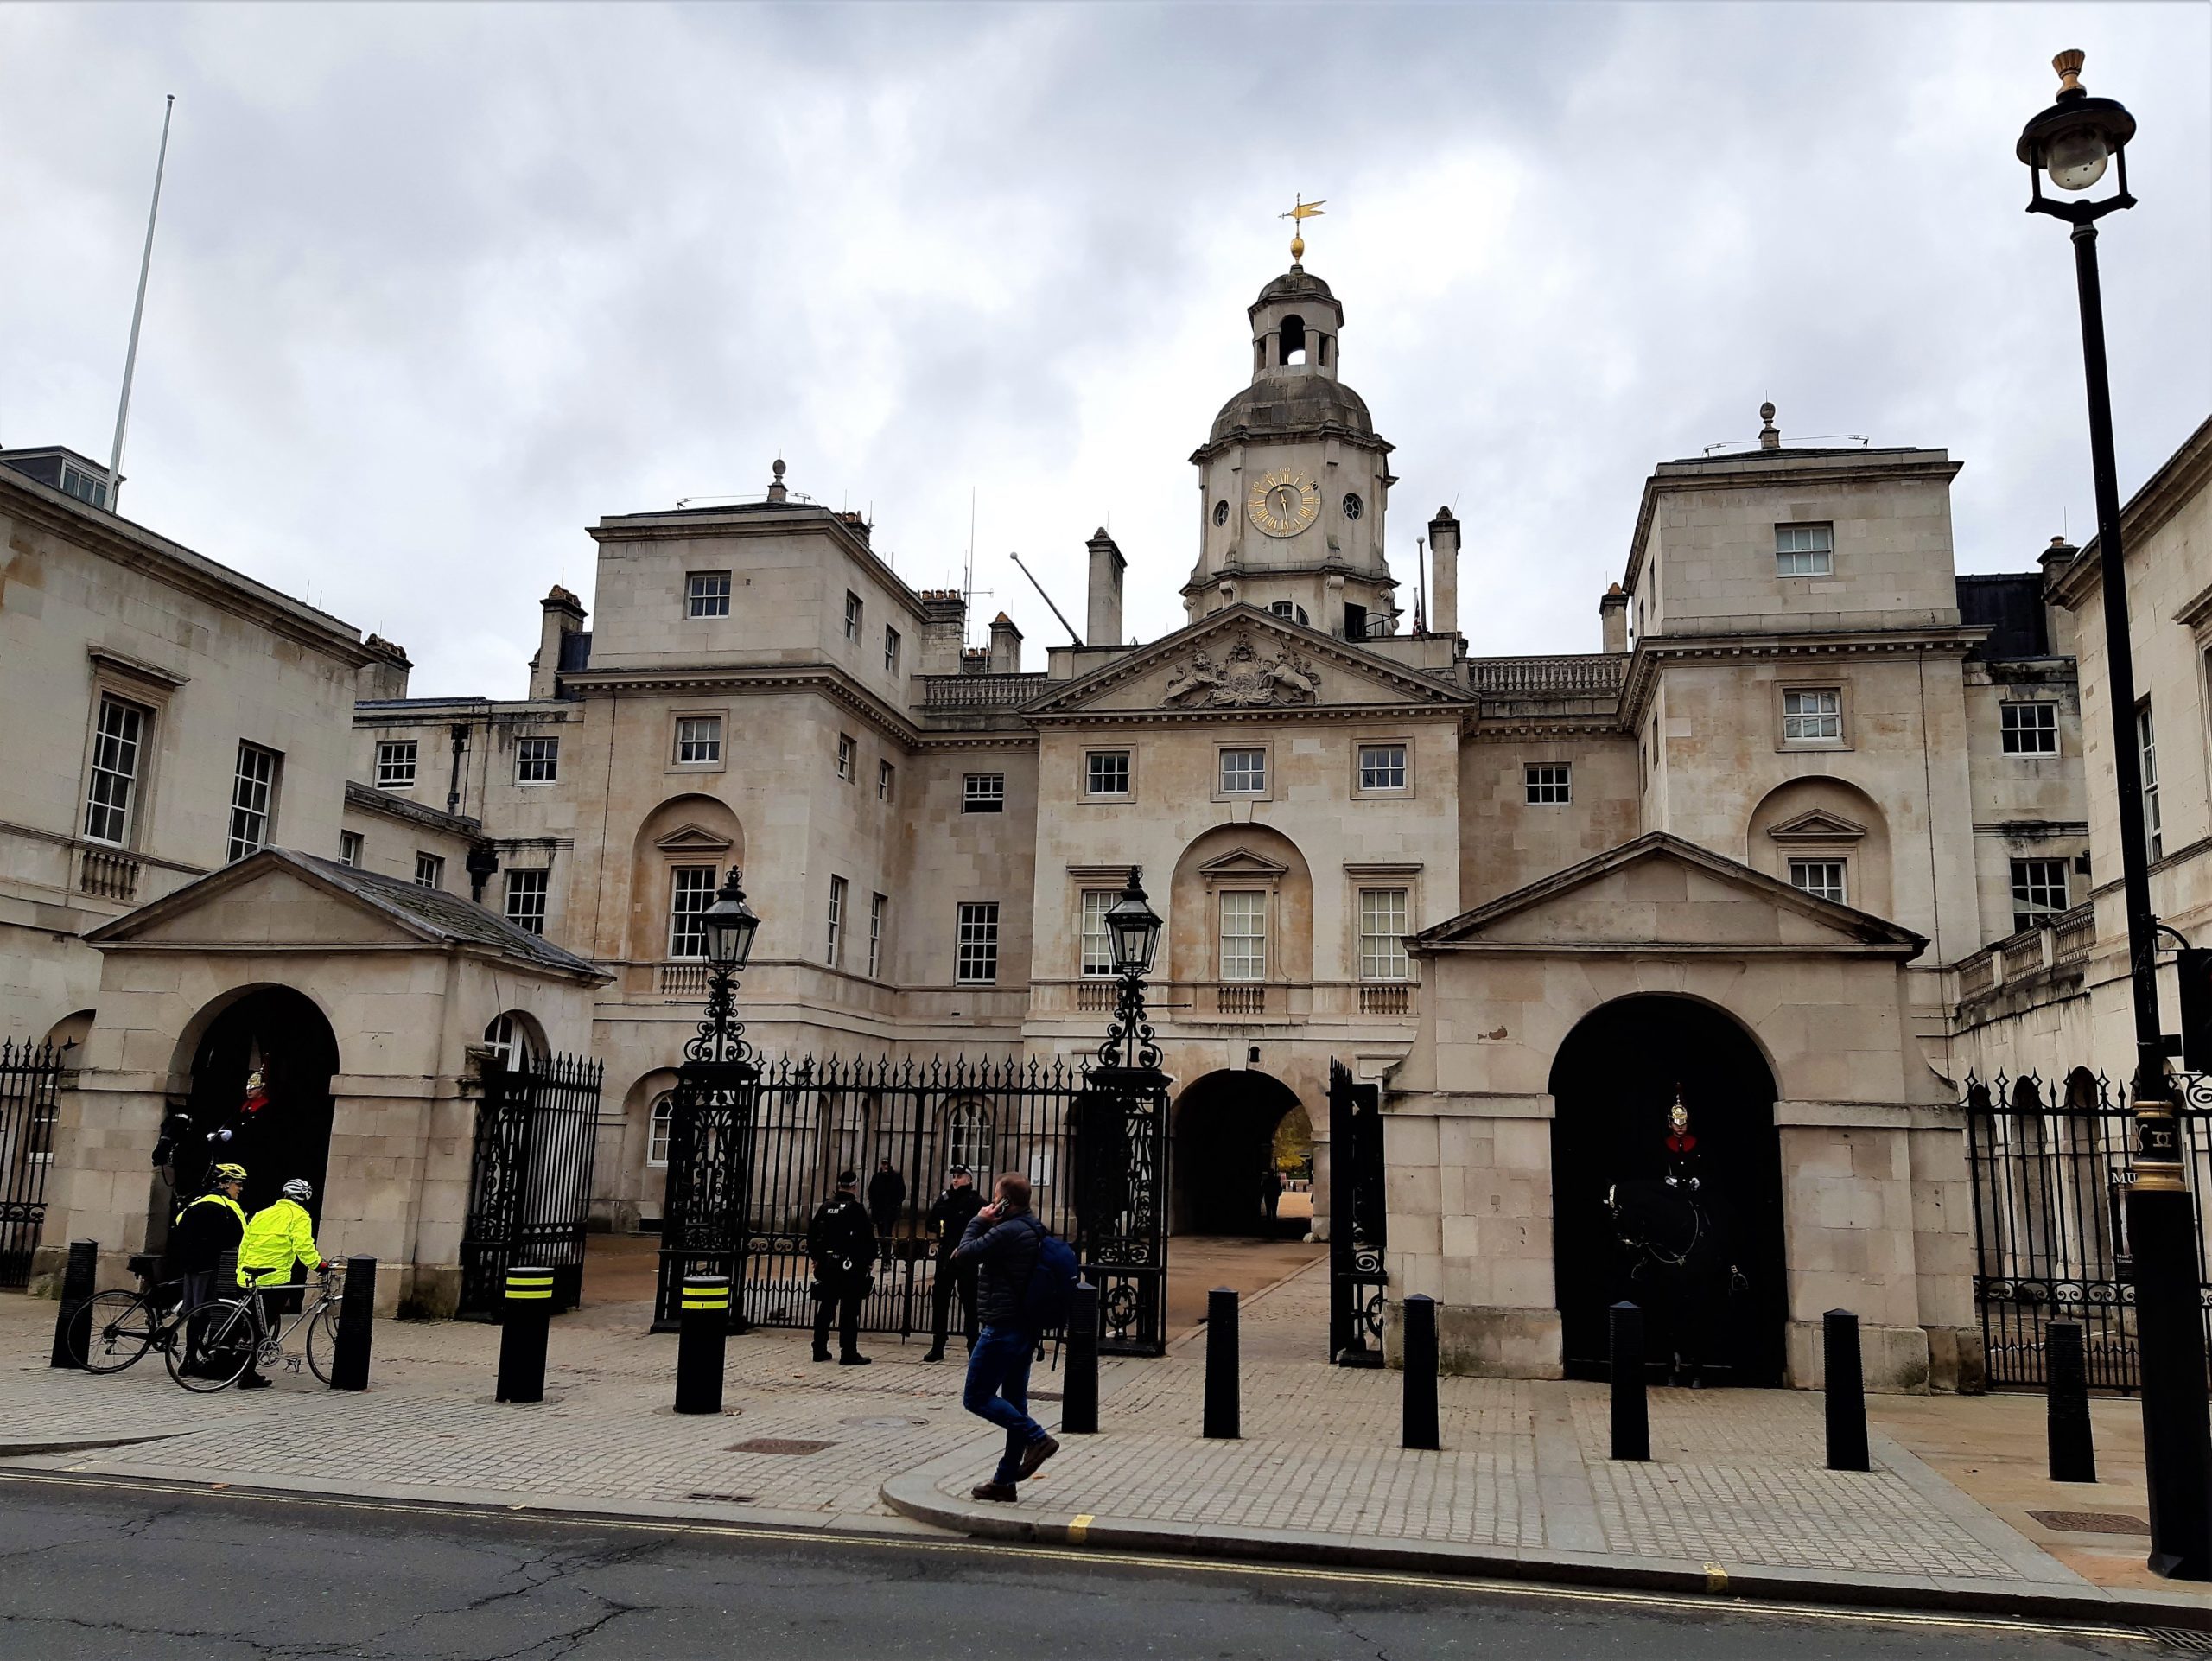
1293	480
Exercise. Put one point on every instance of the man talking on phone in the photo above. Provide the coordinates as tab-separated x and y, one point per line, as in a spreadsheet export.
1003	1240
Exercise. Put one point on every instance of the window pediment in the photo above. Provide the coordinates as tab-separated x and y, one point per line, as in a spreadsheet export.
1817	826
1243	865
692	839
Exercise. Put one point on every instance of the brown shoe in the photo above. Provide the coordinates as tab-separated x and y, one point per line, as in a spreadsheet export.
1036	1453
1000	1491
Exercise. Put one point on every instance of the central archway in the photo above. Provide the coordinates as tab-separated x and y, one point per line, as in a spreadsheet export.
1225	1126
283	1035
1612	1083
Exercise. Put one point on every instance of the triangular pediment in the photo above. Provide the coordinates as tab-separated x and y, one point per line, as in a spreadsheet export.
1817	826
1244	863
1244	661
264	901
692	839
1660	893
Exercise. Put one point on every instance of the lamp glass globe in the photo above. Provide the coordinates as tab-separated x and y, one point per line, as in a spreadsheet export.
2077	159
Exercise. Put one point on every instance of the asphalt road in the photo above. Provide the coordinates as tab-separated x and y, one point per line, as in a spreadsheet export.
94	1568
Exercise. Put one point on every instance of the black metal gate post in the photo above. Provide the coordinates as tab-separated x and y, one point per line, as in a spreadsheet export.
529	1179
705	1224
29	1076
1357	1222
1121	1155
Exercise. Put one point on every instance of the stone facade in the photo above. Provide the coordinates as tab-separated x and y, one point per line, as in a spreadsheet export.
1782	796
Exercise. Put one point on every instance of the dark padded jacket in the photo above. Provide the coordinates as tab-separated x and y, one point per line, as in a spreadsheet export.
841	1240
949	1215
1007	1250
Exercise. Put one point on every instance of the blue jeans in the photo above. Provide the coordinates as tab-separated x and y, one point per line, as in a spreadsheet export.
998	1390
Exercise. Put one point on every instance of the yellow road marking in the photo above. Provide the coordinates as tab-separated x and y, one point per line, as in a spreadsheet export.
1080	1528
1120	1559
1716	1578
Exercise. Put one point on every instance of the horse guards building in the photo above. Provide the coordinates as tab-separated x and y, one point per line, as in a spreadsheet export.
1817	841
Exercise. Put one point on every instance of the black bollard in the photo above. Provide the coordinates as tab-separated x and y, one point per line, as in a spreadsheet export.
701	1341
1079	1388
78	1282
1847	1392
1420	1427
2066	1372
1220	1364
522	1335
1632	1409
357	1320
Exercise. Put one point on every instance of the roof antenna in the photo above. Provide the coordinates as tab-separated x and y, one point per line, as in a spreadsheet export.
137	312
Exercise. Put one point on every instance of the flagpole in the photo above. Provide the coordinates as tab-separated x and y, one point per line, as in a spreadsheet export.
137	312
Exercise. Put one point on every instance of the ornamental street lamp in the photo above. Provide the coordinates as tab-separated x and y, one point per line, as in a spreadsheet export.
1133	927
2073	144
729	925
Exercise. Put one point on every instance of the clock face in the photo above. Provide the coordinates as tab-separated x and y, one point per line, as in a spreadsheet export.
1283	502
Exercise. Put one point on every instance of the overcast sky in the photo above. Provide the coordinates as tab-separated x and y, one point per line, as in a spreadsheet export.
436	287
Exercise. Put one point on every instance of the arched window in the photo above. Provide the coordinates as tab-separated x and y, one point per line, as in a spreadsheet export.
517	1038
663	1124
968	1140
1294	338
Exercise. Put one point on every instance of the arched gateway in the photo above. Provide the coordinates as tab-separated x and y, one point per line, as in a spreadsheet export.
1225	1127
1614	1080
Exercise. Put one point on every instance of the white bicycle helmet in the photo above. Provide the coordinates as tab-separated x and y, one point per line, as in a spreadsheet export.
299	1188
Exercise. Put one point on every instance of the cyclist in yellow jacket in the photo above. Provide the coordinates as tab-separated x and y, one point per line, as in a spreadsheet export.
276	1237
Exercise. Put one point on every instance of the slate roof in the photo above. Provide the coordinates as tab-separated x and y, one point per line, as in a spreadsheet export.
448	916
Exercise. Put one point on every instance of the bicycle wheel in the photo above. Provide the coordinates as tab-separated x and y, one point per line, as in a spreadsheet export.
226	1347
322	1341
113	1330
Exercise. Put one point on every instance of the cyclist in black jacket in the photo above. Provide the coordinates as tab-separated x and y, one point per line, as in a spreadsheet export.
204	1231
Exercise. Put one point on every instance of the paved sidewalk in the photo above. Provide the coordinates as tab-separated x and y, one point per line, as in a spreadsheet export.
1736	1496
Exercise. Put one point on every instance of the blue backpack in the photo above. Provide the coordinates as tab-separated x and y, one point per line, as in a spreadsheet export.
1051	1291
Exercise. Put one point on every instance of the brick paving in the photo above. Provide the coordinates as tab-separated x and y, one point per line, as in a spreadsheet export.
1736	1480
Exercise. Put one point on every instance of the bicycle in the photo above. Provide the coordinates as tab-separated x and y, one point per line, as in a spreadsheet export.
237	1338
115	1328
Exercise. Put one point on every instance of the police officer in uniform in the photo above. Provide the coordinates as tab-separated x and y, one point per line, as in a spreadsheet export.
949	1214
841	1240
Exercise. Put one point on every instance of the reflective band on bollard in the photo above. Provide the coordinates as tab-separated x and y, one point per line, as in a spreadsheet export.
702	1339
528	1311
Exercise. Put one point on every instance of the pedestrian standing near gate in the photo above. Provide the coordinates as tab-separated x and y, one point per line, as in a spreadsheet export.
949	1215
1006	1242
886	1197
842	1246
207	1228
1270	1195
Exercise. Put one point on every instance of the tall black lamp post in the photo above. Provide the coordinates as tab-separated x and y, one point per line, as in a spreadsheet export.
2073	144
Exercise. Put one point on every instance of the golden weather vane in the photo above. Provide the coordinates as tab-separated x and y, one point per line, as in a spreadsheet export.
1300	212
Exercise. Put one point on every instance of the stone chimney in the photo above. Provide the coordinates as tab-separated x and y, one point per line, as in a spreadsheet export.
387	677
1769	435
1612	618
1006	646
1103	625
1444	586
2060	627
946	632
564	615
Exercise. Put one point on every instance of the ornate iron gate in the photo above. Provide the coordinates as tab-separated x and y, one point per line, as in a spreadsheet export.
28	1075
754	1155
2050	1166
1356	1229
530	1180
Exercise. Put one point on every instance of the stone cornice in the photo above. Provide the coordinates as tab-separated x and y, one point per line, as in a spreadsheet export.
1245	436
827	680
1497	729
2187	473
138	549
1654	652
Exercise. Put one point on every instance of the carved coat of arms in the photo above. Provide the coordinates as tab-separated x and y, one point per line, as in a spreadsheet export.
1242	680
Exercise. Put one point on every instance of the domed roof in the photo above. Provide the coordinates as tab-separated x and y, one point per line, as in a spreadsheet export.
1291	285
1281	402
